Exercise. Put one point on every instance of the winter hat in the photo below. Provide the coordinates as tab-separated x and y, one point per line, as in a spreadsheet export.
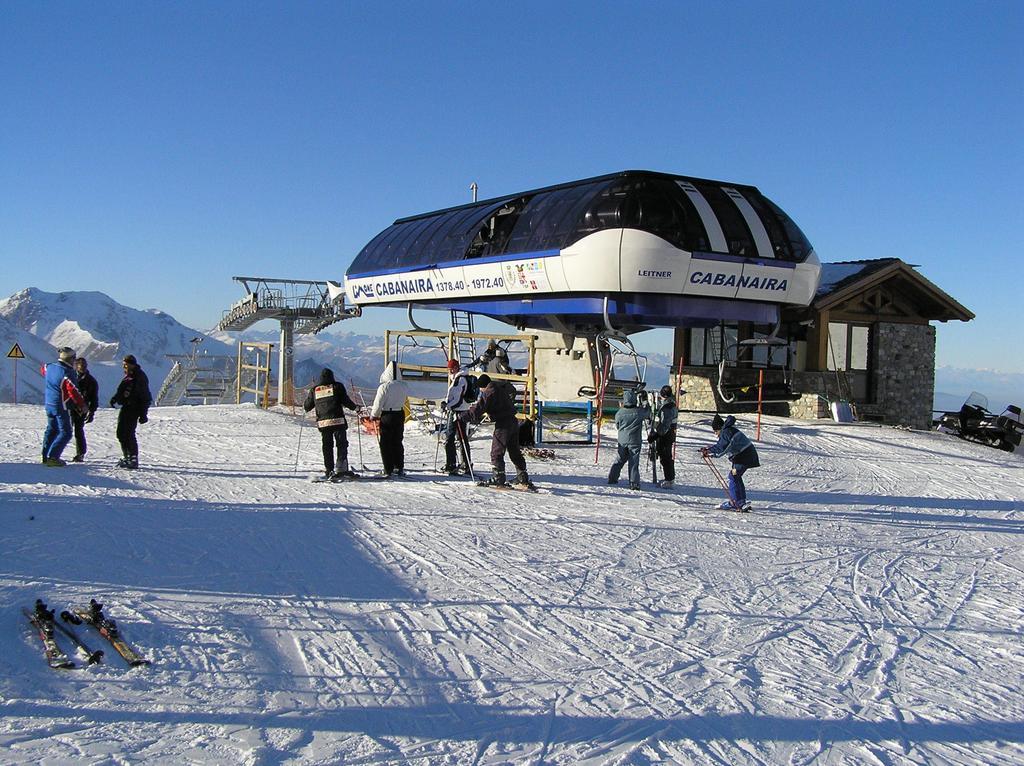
453	365
484	380
66	354
666	392
717	422
326	376
130	359
629	398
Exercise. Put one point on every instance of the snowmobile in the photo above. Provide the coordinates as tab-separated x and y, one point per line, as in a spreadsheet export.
974	422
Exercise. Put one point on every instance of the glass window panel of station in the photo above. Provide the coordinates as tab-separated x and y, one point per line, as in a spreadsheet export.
529	224
737	233
663	209
801	248
604	211
429	241
369	255
570	229
781	245
694	237
551	231
462	226
384	255
467	242
406	252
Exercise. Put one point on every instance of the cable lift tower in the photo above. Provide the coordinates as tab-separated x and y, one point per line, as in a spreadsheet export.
301	306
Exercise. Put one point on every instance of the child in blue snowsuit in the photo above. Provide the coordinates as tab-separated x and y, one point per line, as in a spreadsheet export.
739	448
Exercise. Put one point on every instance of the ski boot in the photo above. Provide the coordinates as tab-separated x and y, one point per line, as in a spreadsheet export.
78	458
497	480
523	480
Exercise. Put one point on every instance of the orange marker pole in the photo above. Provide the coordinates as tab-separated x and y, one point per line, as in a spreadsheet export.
760	398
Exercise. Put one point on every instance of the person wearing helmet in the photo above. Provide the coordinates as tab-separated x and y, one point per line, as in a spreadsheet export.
663	435
61	397
455	403
629	421
742	453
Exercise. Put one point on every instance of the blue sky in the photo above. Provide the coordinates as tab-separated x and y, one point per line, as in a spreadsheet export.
154	150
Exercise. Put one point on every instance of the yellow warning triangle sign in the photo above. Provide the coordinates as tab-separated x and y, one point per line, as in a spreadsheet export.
15	352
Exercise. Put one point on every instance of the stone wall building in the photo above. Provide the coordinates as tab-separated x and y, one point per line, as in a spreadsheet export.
866	339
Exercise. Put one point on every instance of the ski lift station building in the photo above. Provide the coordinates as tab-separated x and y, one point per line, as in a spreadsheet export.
621	253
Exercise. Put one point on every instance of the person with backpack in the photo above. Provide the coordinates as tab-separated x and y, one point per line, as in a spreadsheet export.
495	402
134	398
90	392
629	422
742	453
663	435
61	398
463	390
330	399
389	409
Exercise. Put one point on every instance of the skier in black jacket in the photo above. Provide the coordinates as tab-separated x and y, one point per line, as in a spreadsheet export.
90	392
134	397
494	401
330	400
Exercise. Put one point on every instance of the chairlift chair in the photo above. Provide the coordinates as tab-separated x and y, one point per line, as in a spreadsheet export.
612	345
753	393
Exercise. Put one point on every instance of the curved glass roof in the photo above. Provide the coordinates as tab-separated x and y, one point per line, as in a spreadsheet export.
553	218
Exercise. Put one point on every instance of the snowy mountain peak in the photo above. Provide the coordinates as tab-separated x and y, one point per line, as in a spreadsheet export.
101	330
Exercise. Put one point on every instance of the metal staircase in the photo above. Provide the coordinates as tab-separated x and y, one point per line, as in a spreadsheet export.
462	323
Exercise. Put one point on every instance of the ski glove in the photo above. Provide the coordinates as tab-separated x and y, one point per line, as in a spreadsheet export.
143	418
113	401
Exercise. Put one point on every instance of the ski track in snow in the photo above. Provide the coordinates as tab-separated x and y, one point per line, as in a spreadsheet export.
869	610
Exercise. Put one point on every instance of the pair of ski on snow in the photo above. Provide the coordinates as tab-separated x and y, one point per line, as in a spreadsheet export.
46	625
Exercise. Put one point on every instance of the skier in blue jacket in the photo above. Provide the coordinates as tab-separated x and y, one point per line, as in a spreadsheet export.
629	421
61	398
741	451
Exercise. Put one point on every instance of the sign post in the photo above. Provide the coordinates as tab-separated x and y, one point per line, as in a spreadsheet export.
15	353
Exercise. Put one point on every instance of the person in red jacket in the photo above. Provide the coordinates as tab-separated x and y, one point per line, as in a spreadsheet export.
90	392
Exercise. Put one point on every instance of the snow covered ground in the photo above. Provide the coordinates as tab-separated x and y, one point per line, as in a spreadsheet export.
869	611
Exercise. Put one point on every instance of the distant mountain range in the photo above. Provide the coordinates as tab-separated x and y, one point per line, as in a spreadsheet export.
954	384
103	331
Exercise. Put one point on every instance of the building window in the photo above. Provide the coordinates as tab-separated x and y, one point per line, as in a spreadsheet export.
709	344
849	351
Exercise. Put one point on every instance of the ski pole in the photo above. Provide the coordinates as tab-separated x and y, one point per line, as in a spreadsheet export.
437	440
359	420
465	447
359	437
721	480
298	448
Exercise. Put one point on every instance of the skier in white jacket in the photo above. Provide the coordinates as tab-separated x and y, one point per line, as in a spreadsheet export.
389	409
